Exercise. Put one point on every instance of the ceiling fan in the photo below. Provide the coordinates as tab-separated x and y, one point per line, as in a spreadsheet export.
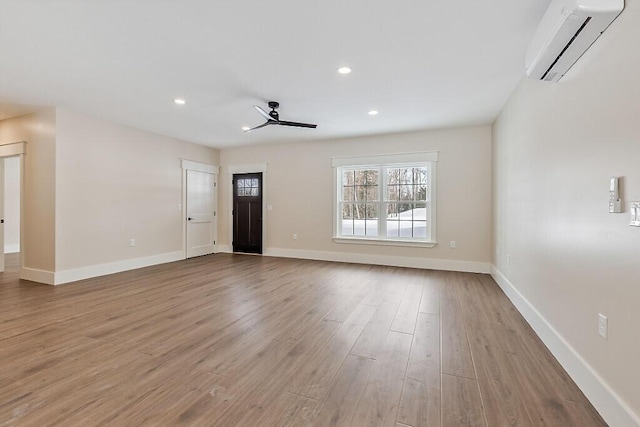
273	118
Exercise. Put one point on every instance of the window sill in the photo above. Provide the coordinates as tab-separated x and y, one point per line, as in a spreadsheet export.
385	242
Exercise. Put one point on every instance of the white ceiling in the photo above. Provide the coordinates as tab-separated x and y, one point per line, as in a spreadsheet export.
422	63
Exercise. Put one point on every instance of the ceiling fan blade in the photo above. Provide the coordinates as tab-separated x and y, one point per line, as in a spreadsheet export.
264	113
296	124
270	122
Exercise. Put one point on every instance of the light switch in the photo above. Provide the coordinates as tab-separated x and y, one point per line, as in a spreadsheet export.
634	209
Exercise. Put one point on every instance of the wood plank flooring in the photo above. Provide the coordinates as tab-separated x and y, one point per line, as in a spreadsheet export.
233	340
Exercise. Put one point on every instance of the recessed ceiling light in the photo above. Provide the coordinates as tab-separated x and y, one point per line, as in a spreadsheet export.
245	128
344	70
373	113
179	101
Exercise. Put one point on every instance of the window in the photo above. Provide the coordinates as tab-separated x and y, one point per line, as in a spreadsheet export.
388	199
248	187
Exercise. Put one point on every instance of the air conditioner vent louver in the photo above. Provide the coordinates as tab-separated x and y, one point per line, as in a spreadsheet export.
566	31
544	76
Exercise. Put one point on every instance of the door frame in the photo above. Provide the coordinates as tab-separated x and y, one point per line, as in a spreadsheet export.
199	167
237	225
15	149
248	168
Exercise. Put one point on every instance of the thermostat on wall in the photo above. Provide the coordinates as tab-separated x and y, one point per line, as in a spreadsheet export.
635	214
615	204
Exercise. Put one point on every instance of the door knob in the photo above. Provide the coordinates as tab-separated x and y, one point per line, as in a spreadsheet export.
189	219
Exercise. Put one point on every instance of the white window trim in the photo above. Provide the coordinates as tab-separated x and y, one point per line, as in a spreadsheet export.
388	160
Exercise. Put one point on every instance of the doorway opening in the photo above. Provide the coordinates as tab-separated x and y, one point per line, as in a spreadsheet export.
200	196
10	212
247	212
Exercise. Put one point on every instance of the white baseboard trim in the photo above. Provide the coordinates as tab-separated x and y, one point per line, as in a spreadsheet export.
390	260
11	248
76	274
224	249
612	408
35	275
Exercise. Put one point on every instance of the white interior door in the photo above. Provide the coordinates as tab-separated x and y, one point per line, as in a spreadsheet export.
2	212
201	187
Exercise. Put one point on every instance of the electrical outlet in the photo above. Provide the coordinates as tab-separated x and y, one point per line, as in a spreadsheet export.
132	242
295	236
603	325
452	244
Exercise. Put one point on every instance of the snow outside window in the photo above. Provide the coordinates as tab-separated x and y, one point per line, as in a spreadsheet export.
392	202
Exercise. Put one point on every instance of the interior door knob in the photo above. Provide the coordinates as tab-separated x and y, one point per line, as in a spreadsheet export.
189	219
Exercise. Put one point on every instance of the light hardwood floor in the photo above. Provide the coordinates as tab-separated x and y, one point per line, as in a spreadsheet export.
229	340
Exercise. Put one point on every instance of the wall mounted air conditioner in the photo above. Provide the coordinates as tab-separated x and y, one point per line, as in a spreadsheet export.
566	31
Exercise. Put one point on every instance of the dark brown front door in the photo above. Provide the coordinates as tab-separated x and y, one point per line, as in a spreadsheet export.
247	213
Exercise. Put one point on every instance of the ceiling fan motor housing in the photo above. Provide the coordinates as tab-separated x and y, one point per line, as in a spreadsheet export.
273	113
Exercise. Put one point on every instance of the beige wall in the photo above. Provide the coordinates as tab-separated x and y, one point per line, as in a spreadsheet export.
555	147
115	183
12	204
39	130
299	186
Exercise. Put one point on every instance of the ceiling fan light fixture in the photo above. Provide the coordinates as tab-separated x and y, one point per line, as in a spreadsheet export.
179	101
344	70
245	128
373	112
